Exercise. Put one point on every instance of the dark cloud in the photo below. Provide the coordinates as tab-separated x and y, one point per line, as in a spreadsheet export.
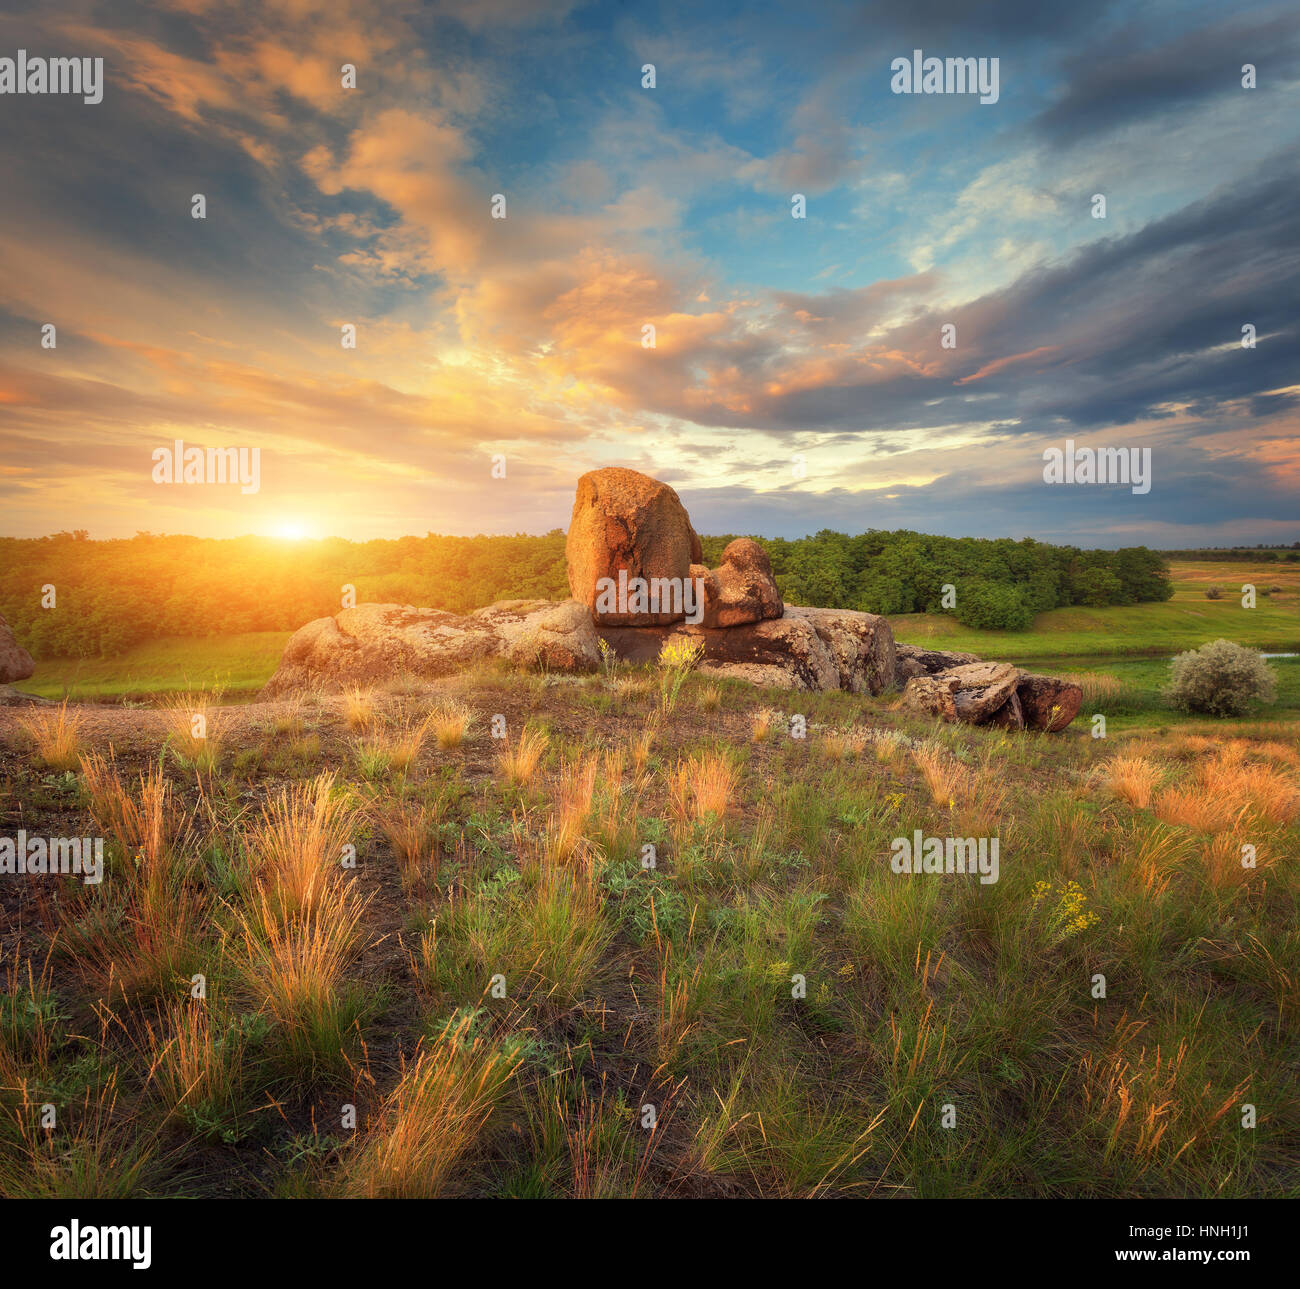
1003	20
1121	331
1124	78
1194	499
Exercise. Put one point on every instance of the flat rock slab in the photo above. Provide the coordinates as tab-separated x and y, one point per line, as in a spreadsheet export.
809	649
915	661
376	642
10	697
544	633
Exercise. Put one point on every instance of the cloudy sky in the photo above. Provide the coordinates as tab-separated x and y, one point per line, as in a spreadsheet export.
798	380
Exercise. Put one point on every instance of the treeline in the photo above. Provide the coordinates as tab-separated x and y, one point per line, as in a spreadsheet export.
998	584
1246	554
109	595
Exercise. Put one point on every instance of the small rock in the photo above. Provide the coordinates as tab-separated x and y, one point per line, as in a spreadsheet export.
15	662
741	589
1049	704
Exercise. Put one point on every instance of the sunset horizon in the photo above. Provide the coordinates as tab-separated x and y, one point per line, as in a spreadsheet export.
432	266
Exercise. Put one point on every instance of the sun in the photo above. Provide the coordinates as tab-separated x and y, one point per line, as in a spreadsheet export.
291	532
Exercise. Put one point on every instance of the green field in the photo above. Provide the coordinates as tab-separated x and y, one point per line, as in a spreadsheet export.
1185	622
240	664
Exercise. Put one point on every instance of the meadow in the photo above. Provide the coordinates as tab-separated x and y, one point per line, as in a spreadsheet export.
649	943
1130	644
1186	621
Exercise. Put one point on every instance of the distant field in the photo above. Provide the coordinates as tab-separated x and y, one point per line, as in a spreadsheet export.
1185	622
240	664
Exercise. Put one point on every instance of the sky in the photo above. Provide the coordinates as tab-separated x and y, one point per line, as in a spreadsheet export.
798	378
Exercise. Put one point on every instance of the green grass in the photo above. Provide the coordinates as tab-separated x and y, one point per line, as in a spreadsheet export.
1139	702
241	664
1187	621
803	1018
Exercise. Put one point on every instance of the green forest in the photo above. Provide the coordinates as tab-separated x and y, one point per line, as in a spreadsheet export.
68	596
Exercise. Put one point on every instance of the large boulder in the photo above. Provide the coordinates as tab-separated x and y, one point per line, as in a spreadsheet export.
15	662
1048	703
540	633
861	646
1010	716
375	642
971	693
741	589
626	522
994	693
809	649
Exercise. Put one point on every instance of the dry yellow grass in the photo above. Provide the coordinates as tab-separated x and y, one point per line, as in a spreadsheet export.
564	833
709	698
983	805
298	843
519	764
431	1119
702	786
142	823
1097	686
835	747
295	966
1132	779
56	733
1152	1108
1190	806
576	787
888	745
1223	855
412	831
450	720
640	746
1269	794
1281	752
1226	789
190	1065
404	744
195	729
944	777
359	710
760	729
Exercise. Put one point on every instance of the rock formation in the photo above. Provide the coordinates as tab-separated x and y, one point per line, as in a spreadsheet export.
15	662
741	589
630	544
628	523
993	693
806	649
